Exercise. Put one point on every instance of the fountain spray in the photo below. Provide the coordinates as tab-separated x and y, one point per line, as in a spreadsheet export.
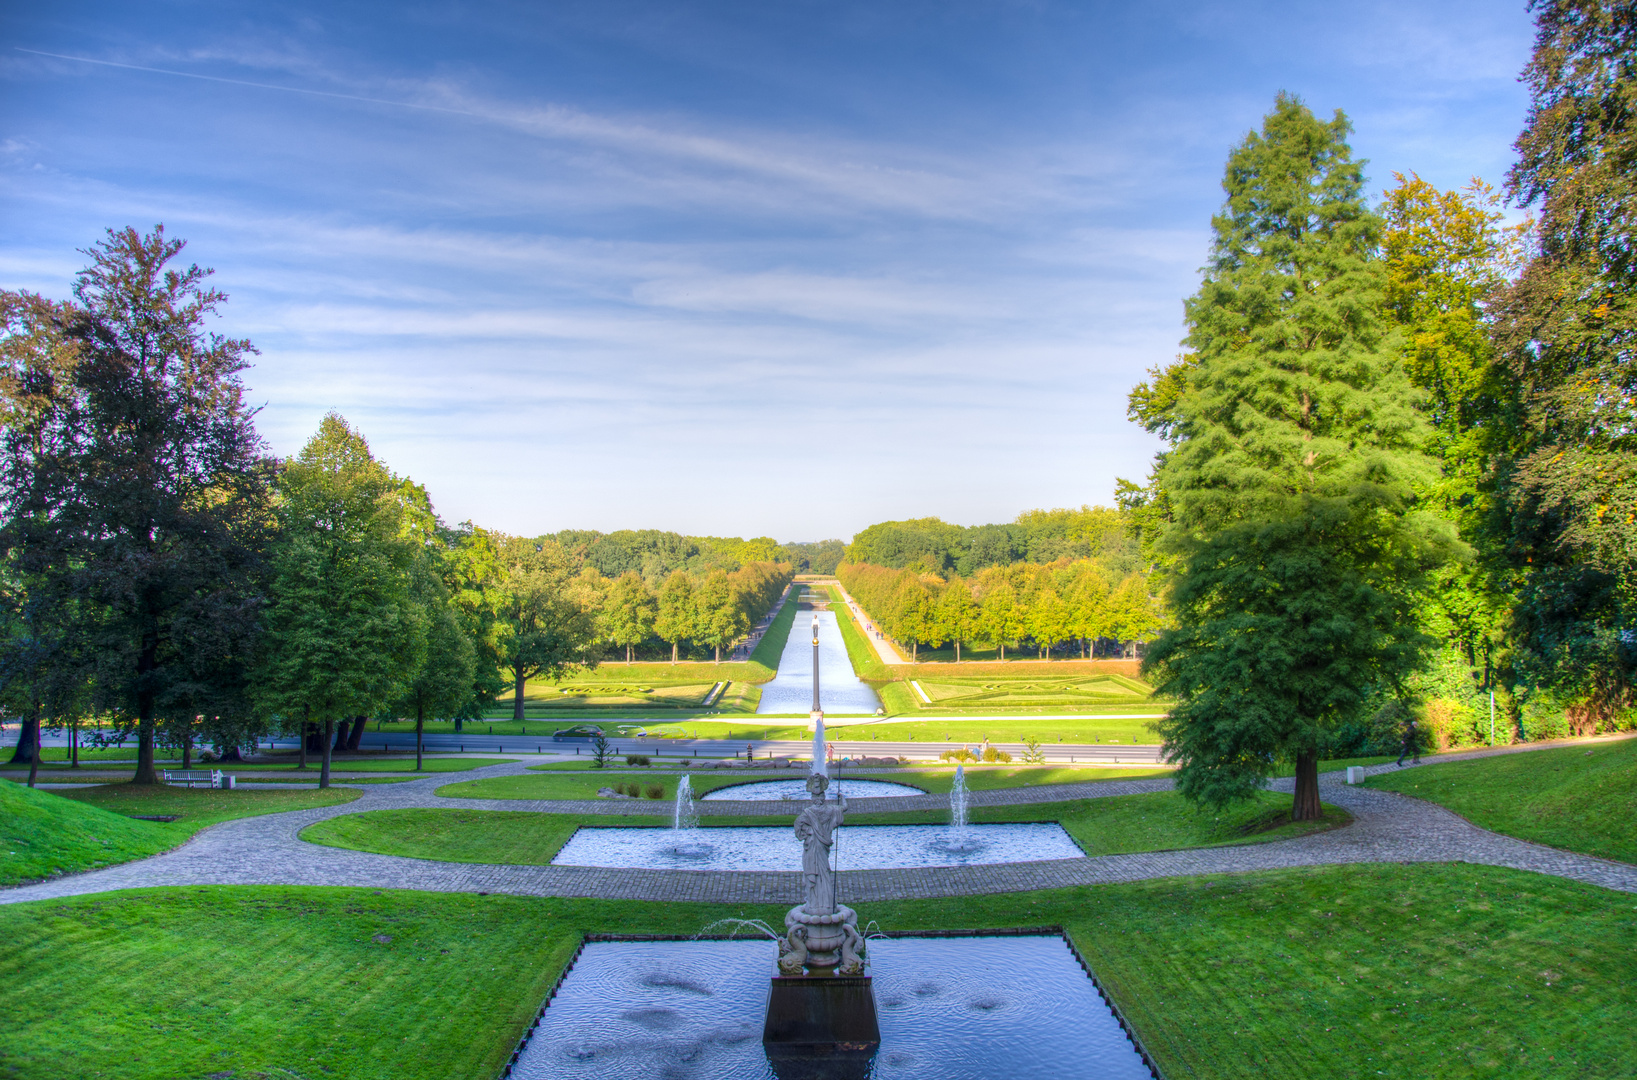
684	816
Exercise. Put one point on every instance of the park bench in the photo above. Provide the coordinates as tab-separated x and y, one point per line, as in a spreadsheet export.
213	778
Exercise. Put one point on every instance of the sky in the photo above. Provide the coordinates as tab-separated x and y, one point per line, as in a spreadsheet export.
779	268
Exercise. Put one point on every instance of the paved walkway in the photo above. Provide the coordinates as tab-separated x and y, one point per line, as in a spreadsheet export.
267	851
885	648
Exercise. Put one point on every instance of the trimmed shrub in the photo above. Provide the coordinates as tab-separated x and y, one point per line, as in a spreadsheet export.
638	759
654	791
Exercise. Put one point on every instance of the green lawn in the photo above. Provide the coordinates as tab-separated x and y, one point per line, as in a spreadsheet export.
1576	797
1111	826
106	772
45	835
1424	971
48	833
548	782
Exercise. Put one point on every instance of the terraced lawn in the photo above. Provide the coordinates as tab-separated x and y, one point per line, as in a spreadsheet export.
1288	975
1111	826
1579	798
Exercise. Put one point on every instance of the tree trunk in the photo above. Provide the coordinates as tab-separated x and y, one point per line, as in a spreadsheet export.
957	650
74	745
355	739
232	754
144	742
420	725
340	740
718	654
460	725
521	685
329	749
673	652
25	741
915	652
1003	650
187	752
34	758
302	742
1306	806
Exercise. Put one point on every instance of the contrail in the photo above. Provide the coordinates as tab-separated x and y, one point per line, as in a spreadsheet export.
245	82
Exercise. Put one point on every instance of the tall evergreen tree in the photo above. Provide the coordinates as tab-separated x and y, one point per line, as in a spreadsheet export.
1567	330
1296	451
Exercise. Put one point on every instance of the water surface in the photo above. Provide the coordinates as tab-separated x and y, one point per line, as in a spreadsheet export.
840	690
858	847
980	1008
797	789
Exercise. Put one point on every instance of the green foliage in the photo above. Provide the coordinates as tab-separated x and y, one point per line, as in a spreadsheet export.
1057	606
1042	536
1032	753
343	632
1292	476
1565	332
132	479
1574	797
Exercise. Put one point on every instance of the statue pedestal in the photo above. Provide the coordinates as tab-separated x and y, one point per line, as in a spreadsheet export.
813	719
821	1026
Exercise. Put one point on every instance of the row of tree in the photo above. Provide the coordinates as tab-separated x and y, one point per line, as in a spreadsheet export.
160	570
1039	536
656	554
1047	607
1401	440
714	609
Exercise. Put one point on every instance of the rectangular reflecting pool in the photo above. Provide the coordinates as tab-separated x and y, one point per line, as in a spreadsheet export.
858	847
965	1008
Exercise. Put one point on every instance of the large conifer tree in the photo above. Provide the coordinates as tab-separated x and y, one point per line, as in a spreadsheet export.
1296	451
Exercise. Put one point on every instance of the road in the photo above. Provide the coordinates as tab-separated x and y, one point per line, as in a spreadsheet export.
917	750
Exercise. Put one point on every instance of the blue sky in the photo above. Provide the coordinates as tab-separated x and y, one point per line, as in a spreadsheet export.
781	268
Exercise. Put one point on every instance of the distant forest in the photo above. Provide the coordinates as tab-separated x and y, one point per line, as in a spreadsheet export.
928	544
656	554
1037	536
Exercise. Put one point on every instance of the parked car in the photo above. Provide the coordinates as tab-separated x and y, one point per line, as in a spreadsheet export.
580	731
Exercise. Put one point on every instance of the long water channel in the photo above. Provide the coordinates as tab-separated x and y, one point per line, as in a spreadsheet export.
840	690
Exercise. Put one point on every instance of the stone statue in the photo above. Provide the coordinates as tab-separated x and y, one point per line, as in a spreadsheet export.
816	829
822	933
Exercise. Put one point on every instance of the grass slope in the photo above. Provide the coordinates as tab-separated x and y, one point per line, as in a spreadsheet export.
51	833
1113	826
1321	972
45	835
1575	797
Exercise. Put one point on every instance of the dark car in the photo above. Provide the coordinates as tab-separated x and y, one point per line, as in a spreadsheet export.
582	731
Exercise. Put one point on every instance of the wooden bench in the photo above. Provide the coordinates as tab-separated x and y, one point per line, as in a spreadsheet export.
212	778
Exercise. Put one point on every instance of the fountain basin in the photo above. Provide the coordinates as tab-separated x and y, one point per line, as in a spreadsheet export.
858	847
784	790
1015	1007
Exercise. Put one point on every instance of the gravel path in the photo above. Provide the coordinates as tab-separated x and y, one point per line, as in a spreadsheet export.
267	851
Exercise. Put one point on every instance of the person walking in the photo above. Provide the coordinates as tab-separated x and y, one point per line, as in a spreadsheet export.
1412	745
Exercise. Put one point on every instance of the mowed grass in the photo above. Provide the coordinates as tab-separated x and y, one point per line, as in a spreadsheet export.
1425	971
51	833
556	782
1118	825
104	772
1580	798
45	835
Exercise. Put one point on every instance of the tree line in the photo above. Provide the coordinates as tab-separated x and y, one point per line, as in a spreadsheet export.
163	573
1399	472
656	554
1060	606
1037	536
